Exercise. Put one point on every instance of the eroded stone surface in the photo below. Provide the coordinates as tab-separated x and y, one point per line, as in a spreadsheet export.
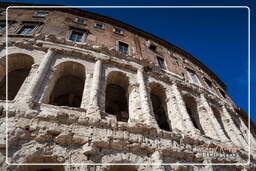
39	132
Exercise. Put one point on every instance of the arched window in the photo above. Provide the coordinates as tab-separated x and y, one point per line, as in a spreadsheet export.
191	106
158	99
19	66
218	116
122	168
116	100
68	83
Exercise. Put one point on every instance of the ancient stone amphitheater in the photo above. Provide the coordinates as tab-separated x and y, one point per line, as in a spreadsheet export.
87	89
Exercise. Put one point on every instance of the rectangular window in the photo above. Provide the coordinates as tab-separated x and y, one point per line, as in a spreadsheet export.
193	77
2	27
76	36
123	48
26	29
99	26
41	14
222	93
208	83
80	21
2	13
161	62
152	47
118	30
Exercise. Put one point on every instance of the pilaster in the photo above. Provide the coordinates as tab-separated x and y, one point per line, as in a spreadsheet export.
234	132
94	104
34	86
134	104
216	131
173	111
147	113
187	122
87	89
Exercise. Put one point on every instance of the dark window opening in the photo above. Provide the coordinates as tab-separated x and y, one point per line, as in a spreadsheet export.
192	118
208	83
116	102
2	13
68	91
152	47
26	29
159	112
15	81
66	86
80	21
222	93
118	30
116	99
219	119
191	107
76	36
99	26
123	48
161	62
19	66
2	27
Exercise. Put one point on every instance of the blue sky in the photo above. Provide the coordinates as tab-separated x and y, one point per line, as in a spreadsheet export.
216	37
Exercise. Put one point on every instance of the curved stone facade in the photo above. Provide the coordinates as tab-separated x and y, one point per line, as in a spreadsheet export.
85	88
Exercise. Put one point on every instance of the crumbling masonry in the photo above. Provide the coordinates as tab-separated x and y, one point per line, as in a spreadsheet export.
84	88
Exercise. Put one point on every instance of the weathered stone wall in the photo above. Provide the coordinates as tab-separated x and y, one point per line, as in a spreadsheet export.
39	132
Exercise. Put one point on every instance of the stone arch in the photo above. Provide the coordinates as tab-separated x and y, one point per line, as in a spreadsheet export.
124	157
192	109
19	66
66	85
159	105
41	160
116	100
122	168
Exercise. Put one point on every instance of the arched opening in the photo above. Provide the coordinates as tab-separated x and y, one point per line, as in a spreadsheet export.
191	106
116	100
41	159
158	99
218	116
19	66
122	168
69	85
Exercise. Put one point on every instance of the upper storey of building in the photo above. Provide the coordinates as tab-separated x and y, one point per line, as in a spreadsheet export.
81	27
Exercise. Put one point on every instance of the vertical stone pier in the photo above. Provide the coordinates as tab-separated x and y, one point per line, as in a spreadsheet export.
94	104
234	132
147	113
34	87
216	131
134	104
87	89
188	125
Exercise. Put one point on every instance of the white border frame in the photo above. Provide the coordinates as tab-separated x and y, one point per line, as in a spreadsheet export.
138	164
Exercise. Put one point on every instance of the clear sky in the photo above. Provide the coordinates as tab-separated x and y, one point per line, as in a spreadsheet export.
216	37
